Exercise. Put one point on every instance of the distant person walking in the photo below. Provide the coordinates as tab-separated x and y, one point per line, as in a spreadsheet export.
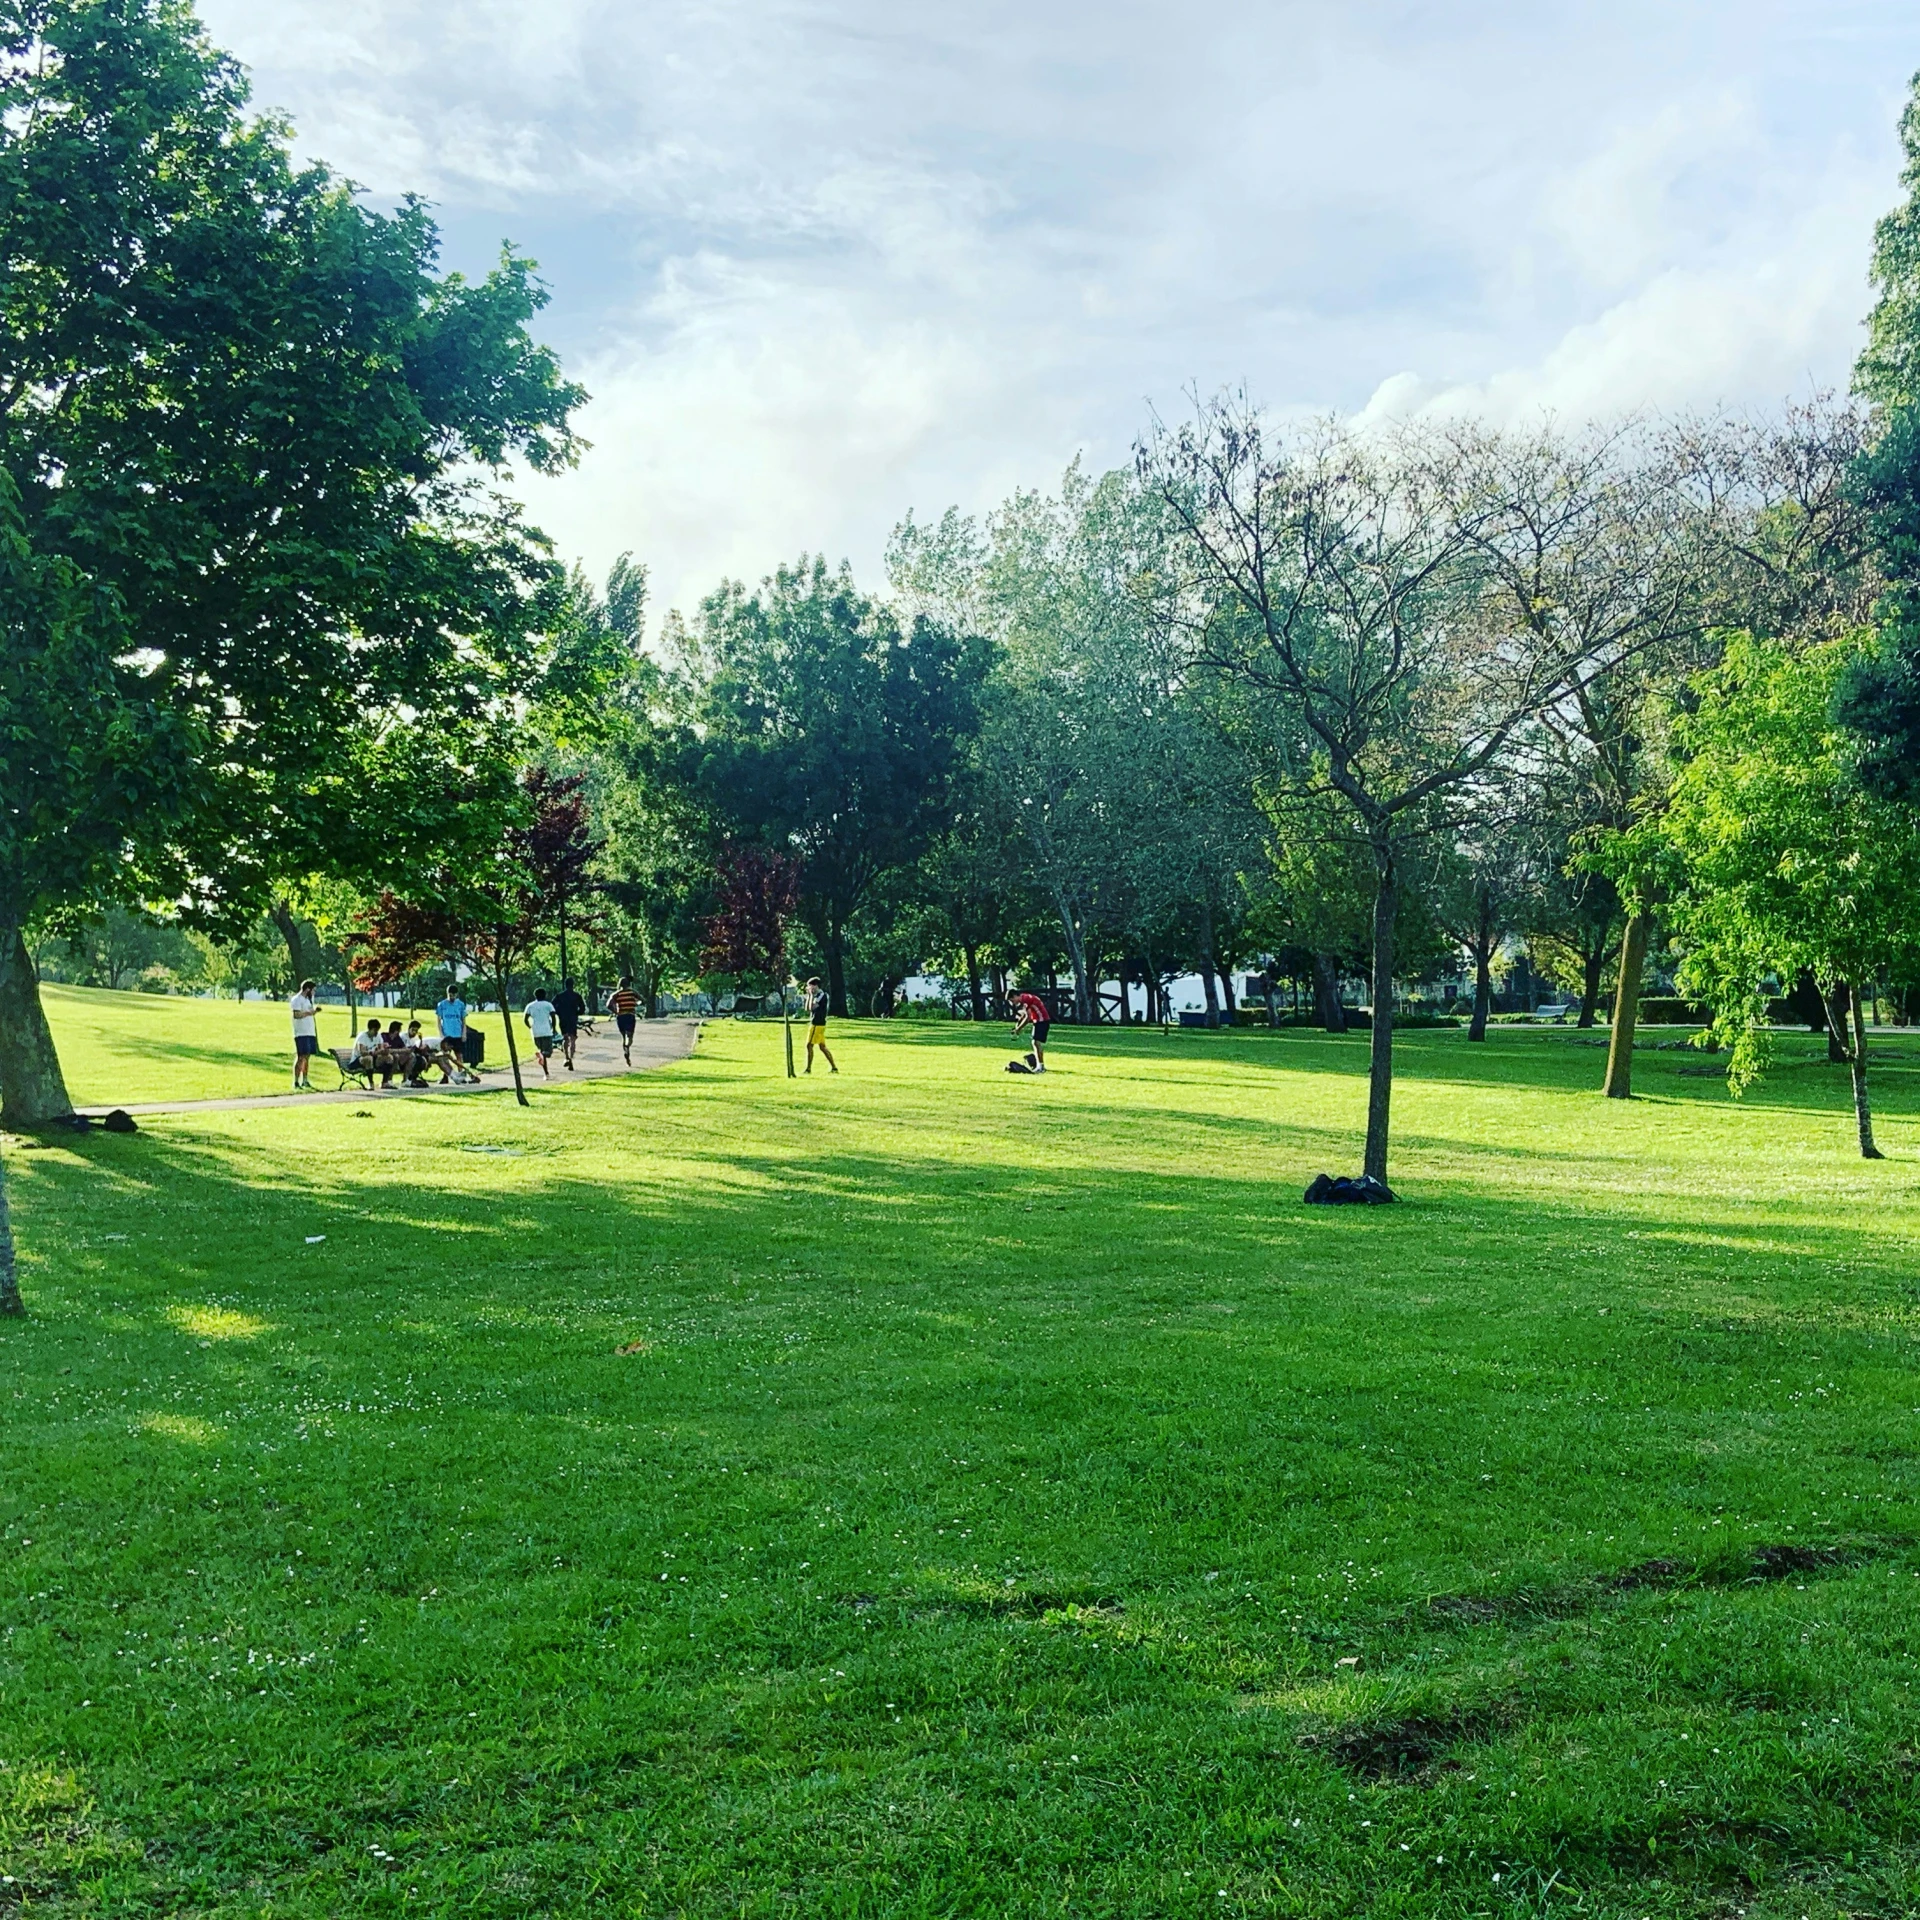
541	1020
624	1004
817	1003
569	1009
306	1033
452	1015
1029	1010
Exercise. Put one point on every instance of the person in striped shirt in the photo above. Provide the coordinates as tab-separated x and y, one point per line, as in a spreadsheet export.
624	1004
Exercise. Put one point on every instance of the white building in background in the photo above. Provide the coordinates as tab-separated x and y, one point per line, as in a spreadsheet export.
1184	993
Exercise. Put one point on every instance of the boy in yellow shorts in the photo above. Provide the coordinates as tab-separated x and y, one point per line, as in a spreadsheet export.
817	1025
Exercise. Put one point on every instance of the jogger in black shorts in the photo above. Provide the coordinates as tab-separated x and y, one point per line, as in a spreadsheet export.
624	1004
569	1009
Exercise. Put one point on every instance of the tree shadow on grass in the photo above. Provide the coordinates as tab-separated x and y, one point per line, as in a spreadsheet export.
190	1205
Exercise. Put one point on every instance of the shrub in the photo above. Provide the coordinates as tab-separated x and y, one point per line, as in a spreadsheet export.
1662	1010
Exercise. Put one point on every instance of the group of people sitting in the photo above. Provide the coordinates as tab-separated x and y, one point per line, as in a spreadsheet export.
408	1053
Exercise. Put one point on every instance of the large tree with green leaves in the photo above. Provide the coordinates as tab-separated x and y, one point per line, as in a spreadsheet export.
1129	801
1778	861
1757	529
245	429
823	726
1879	696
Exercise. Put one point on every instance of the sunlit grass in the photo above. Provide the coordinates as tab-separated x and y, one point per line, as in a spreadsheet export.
216	1323
928	1491
118	1049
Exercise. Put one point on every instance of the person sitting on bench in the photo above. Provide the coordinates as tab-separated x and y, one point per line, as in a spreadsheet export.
425	1054
370	1050
393	1042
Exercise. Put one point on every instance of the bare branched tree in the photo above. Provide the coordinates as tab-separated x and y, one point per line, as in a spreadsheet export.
1721	525
1404	607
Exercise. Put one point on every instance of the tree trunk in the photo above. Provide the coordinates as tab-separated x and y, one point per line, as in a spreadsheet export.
1126	988
32	1088
1482	991
1326	994
1838	1003
1626	1006
1593	963
500	983
10	1302
974	990
1076	958
1481	947
1206	965
1227	999
836	971
1273	999
283	916
1386	900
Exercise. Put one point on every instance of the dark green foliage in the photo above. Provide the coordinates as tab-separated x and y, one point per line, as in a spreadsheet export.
245	410
1888	372
1665	1010
118	948
90	754
1878	699
825	728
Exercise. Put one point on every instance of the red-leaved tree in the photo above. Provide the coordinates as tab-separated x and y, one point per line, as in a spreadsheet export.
757	891
488	918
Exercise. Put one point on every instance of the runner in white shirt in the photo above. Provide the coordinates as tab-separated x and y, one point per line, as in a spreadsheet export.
306	1034
542	1018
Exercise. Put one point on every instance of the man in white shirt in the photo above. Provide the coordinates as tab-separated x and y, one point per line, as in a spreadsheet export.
542	1018
306	1034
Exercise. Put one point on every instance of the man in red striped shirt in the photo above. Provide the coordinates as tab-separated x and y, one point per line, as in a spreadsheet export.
624	1004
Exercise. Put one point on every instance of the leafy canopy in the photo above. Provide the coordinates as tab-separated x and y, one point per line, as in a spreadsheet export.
1778	860
254	420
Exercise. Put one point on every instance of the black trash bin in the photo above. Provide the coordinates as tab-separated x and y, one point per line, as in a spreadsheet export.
473	1048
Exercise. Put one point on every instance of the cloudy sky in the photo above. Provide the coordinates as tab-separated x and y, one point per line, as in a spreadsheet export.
826	261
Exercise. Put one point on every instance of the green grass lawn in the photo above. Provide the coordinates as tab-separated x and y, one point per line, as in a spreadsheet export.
926	1491
123	1048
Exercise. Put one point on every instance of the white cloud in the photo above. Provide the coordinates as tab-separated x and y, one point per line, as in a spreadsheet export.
821	261
1753	316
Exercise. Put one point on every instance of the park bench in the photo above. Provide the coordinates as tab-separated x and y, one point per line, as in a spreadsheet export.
361	1070
353	1067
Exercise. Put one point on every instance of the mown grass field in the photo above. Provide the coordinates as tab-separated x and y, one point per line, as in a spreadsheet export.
930	1492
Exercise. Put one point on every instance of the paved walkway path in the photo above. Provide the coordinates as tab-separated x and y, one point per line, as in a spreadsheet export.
658	1043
